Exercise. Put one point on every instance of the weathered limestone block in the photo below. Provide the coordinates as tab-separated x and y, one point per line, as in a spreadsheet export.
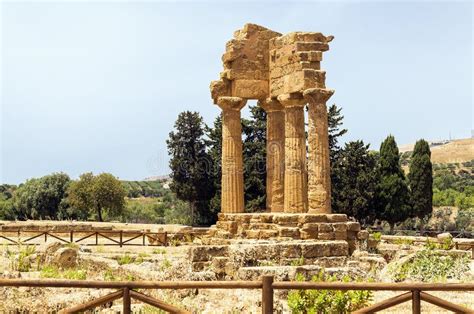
262	226
363	235
327	235
290	232
319	183
290	250
275	153
229	226
254	89
308	234
295	187
232	197
353	226
206	252
286	219
339	248
220	88
218	264
326	227
200	266
312	226
337	217
310	218
313	250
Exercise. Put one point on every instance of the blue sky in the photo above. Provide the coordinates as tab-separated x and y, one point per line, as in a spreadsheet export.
97	86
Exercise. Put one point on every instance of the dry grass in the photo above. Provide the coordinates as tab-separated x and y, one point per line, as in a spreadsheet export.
459	298
456	151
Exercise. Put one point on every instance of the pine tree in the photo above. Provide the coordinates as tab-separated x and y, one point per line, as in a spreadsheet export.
335	132
354	191
254	154
190	165
335	119
392	191
421	180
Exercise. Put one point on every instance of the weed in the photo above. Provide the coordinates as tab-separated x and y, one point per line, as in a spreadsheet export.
125	259
159	251
298	262
377	236
327	301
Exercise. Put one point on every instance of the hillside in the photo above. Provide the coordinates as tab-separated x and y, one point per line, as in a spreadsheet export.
445	152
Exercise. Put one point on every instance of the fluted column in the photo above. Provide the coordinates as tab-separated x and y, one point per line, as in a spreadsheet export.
295	186
319	169
232	185
275	153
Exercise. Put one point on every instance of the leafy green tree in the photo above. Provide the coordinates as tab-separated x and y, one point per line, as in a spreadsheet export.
392	194
254	155
354	191
41	198
190	165
420	179
96	195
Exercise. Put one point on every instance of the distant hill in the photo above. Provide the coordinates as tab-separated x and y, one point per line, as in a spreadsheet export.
447	152
148	188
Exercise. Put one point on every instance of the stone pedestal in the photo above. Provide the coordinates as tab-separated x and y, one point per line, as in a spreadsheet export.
232	185
295	154
319	170
275	154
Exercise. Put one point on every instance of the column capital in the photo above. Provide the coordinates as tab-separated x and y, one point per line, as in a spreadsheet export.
292	100
270	105
318	95
231	103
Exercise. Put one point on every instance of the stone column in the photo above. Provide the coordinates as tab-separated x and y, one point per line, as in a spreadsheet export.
319	170
295	186
232	185
275	153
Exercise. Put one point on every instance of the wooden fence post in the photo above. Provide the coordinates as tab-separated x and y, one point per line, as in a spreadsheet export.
71	237
121	236
127	308
267	295
415	302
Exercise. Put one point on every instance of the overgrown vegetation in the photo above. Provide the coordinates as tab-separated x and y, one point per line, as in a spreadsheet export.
431	265
327	301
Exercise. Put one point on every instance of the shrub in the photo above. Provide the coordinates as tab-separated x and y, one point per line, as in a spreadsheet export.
51	271
327	301
125	259
377	236
430	265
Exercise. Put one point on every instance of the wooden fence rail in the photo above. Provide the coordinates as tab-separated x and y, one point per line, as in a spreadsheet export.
126	291
112	237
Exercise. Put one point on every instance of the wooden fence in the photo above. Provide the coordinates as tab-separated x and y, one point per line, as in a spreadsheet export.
416	292
112	237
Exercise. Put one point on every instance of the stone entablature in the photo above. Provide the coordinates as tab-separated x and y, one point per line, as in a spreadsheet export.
283	73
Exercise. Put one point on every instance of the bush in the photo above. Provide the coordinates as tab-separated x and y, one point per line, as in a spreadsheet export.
327	301
430	265
465	220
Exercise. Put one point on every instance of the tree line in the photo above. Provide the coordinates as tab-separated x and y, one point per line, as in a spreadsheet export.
367	185
56	196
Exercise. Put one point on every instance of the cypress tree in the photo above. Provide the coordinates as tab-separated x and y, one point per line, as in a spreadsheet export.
392	191
421	180
190	165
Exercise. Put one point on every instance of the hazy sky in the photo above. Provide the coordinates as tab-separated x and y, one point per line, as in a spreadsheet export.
97	86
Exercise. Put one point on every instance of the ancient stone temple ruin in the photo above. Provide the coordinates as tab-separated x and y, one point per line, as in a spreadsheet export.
283	73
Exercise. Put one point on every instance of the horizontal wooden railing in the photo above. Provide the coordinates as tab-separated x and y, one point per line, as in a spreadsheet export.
112	237
416	292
